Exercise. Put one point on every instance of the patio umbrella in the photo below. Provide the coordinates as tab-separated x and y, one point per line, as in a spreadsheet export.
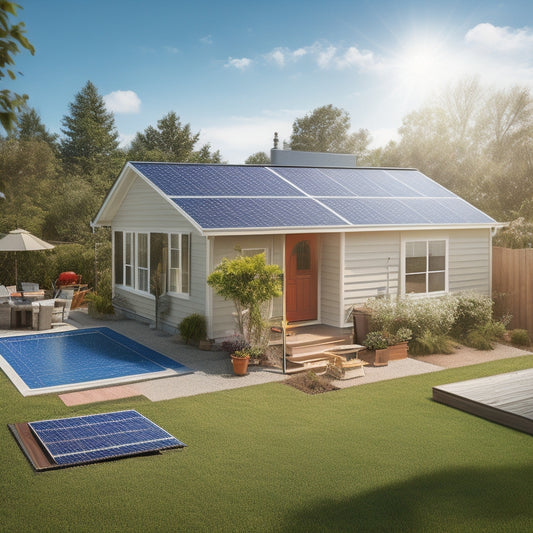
20	240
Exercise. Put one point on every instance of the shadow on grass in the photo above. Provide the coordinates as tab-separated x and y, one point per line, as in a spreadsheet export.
467	499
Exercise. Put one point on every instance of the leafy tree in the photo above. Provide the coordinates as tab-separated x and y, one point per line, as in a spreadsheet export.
259	158
90	140
474	141
29	172
171	141
250	283
11	36
326	129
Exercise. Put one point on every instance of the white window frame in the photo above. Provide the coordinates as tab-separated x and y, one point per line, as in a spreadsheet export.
137	271
142	277
128	238
408	240
179	269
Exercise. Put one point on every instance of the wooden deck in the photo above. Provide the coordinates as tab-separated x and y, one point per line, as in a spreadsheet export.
506	399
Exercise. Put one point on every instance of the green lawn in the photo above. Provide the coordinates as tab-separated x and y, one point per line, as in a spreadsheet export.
378	457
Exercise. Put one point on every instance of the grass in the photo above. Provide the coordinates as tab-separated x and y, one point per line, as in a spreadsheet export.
378	457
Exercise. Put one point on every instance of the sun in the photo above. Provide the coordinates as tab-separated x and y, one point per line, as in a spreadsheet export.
422	67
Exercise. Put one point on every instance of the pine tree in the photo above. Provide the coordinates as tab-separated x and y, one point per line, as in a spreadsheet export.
90	135
30	128
171	141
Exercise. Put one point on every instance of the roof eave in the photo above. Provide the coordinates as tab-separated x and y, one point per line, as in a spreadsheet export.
216	232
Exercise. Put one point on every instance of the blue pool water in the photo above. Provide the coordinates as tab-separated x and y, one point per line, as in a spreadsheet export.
76	359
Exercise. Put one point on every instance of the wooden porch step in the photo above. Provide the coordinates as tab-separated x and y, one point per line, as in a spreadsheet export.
311	344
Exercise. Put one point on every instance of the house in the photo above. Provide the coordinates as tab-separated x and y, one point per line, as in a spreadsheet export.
341	233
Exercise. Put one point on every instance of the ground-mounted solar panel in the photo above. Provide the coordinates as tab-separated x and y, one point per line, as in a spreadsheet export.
313	181
421	183
215	180
92	438
374	211
223	213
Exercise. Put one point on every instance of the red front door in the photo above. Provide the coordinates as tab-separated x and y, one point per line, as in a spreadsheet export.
301	277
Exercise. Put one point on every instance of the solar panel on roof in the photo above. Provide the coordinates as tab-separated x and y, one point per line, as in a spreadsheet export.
313	181
215	180
257	212
231	197
374	211
371	182
420	182
91	438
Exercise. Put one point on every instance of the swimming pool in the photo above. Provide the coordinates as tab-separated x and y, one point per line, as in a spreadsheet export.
80	359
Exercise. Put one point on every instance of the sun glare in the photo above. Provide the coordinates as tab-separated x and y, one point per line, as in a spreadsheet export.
422	68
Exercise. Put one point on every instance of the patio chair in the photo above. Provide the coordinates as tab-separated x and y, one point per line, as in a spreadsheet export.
29	287
5	295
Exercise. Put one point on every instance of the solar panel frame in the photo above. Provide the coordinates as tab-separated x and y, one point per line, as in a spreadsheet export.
91	438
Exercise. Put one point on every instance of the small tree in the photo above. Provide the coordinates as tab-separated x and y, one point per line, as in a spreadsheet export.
250	283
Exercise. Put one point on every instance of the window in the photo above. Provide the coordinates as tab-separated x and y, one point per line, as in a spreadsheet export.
119	257
302	250
142	262
129	254
425	266
153	262
179	263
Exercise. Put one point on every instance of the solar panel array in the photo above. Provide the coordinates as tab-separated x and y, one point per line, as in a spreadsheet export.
86	439
233	197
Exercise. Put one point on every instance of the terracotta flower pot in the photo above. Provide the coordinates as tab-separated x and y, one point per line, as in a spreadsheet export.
382	357
240	365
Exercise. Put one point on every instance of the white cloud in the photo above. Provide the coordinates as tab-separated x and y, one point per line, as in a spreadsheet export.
207	39
241	64
240	137
504	39
124	139
326	56
122	102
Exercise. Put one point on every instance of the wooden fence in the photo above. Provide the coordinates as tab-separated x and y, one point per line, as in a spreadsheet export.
512	285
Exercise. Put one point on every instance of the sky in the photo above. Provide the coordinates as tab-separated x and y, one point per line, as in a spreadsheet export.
238	71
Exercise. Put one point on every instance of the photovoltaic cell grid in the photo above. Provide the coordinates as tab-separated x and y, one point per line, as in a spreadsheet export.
231	197
87	439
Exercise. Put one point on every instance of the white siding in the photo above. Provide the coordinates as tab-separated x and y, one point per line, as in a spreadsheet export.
223	320
373	262
145	210
331	279
371	266
469	261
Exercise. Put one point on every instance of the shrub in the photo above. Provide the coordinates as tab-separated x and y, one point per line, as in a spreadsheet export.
520	337
472	311
376	340
476	338
193	327
235	343
436	315
429	343
310	383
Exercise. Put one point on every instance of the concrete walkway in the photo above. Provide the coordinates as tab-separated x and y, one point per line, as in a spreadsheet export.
213	370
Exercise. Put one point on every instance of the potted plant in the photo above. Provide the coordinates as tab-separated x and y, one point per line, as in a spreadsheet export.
377	342
398	344
239	360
